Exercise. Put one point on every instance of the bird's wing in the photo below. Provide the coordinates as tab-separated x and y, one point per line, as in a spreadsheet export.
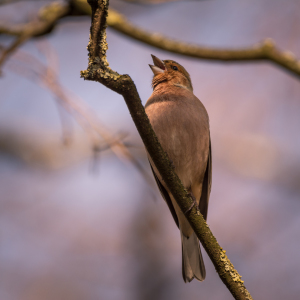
166	196
206	186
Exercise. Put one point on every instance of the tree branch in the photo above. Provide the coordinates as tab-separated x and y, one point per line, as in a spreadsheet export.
98	70
50	14
266	50
45	22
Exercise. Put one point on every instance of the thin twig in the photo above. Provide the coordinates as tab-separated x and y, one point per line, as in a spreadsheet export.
43	24
18	42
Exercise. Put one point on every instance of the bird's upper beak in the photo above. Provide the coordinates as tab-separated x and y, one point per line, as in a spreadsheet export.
159	67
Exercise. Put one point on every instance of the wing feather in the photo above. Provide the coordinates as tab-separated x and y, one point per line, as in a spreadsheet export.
166	196
206	186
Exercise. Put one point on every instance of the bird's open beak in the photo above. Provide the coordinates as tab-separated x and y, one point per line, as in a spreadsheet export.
159	67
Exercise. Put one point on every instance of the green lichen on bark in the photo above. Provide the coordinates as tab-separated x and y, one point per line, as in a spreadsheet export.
228	267
98	66
235	276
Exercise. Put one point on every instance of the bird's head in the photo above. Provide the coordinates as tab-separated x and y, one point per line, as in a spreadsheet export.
171	72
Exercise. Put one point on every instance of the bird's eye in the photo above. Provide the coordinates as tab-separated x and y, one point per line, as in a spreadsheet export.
175	68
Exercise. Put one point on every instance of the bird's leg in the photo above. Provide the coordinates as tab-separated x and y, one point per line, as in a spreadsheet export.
193	204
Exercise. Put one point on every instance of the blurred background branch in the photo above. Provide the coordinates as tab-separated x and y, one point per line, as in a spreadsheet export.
42	24
98	137
48	16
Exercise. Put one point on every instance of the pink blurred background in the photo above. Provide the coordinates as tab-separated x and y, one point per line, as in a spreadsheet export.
67	232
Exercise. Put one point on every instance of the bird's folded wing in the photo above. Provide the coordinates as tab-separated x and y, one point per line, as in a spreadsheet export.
166	196
206	186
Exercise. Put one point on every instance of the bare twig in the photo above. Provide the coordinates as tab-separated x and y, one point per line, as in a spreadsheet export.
13	47
43	24
98	70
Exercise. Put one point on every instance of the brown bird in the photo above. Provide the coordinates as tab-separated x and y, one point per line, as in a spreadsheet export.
181	124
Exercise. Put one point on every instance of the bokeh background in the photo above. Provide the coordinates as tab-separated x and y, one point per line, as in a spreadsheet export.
75	227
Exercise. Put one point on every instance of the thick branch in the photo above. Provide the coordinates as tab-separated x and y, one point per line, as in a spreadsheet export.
98	70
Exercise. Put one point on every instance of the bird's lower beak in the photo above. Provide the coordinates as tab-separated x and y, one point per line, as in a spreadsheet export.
159	66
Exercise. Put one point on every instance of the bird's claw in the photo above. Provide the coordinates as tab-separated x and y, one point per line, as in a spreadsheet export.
193	204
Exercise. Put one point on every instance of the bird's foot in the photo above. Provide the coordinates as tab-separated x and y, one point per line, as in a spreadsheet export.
193	204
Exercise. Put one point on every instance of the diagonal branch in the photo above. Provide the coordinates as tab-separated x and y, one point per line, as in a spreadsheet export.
18	42
98	70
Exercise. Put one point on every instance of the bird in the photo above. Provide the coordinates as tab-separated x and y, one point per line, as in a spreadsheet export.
181	124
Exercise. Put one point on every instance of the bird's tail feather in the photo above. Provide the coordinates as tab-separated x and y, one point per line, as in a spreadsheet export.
192	261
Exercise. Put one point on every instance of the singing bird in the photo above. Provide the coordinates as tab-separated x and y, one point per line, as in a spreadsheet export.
181	124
